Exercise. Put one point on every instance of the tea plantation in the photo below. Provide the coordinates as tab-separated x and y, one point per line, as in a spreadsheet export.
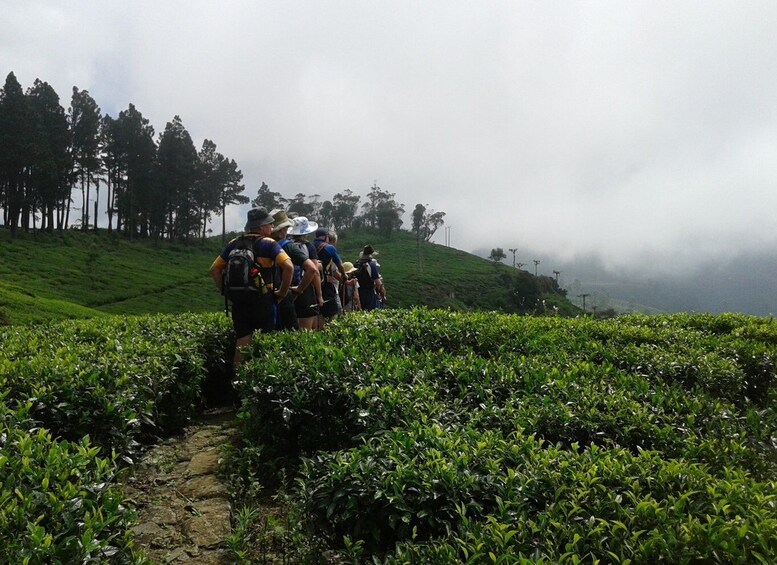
410	436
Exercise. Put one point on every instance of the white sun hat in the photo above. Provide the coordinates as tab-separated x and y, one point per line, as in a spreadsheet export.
302	226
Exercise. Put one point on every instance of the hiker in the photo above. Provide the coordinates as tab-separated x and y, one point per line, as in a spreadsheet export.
310	299
370	282
328	256
305	273
337	279
244	273
351	289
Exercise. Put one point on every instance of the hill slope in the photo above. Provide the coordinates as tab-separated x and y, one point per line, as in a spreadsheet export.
79	275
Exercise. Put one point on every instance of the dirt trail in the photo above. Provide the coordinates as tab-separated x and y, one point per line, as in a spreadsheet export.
182	504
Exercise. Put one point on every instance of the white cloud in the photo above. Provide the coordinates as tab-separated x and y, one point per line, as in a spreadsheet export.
632	130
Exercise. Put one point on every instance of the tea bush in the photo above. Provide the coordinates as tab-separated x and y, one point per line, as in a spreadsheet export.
76	398
118	380
58	503
430	436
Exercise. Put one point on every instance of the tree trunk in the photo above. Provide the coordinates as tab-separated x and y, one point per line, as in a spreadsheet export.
223	224
85	225
96	200
110	198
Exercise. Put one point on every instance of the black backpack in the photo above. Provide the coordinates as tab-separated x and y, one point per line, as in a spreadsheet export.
242	279
363	274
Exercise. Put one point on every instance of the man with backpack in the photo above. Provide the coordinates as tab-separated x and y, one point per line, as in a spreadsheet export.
370	282
329	258
305	273
245	273
310	299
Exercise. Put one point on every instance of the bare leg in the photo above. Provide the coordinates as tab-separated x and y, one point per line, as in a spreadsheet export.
242	344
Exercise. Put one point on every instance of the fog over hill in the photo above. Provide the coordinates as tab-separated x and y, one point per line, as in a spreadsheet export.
745	283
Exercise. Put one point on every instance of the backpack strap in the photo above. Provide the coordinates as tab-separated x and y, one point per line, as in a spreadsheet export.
319	249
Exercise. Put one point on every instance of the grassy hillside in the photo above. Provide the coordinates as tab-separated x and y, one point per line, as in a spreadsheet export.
438	276
76	275
79	275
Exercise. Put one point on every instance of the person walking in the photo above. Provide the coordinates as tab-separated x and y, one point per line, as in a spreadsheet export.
351	289
338	280
254	303
310	298
305	272
329	257
370	282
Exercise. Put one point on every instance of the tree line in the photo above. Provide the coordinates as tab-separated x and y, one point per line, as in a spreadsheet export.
379	211
153	187
159	187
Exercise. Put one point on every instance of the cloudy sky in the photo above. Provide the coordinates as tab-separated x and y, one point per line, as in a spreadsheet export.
633	131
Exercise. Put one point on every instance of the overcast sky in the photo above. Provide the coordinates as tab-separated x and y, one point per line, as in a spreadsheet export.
636	131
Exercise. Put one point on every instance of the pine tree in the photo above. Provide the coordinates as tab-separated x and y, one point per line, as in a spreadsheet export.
85	130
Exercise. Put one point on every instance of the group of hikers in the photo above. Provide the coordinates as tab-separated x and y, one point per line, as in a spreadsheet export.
276	279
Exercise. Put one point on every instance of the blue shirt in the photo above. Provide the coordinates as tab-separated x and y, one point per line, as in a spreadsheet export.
327	254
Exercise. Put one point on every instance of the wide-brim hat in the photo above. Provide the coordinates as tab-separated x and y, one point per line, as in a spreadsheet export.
258	217
302	226
280	221
348	267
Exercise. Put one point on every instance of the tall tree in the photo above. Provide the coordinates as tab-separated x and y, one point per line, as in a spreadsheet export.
138	200
16	134
389	217
208	185
48	181
114	164
301	205
326	214
418	220
381	211
267	199
426	222
344	207
497	255
177	163
219	185
231	192
85	128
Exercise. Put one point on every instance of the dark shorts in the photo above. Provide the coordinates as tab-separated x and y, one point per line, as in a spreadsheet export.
368	299
329	294
253	315
287	316
305	304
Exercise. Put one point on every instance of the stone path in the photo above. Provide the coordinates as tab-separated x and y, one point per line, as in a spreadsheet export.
183	507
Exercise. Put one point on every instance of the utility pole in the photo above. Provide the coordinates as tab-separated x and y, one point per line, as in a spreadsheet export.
513	250
536	262
583	297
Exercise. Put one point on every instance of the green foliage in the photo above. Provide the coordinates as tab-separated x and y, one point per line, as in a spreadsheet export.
117	379
57	500
431	436
72	391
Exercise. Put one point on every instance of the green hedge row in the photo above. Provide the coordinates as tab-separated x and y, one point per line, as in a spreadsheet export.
406	426
118	380
76	399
